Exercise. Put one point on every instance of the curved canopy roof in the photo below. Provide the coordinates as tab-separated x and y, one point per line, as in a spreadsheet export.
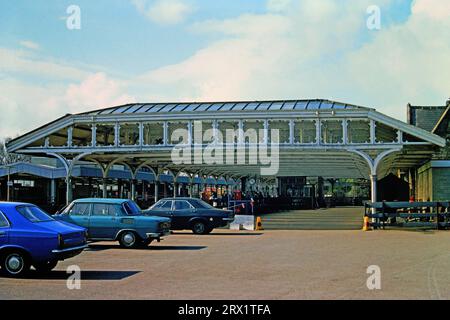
137	108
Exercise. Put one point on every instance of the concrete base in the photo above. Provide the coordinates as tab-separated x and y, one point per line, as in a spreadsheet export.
243	222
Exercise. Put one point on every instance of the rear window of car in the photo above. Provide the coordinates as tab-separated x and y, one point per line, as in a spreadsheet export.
132	208
182	205
3	221
34	214
200	204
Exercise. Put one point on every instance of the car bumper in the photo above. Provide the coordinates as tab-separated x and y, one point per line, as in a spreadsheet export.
157	235
62	254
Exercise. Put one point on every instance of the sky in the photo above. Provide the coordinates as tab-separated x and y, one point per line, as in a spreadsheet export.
126	51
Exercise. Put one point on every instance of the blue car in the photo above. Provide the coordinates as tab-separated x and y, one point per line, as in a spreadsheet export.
30	237
115	220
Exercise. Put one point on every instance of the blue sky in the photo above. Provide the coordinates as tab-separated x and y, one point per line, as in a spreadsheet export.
161	50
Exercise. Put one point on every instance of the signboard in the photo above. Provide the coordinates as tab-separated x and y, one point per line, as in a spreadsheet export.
243	222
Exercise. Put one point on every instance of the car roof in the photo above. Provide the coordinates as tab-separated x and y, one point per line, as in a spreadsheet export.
6	204
101	200
179	198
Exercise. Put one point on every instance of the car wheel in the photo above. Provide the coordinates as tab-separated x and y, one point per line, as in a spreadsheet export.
15	264
45	266
199	227
128	239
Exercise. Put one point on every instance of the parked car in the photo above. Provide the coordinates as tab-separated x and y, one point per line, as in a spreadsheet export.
115	220
29	236
191	213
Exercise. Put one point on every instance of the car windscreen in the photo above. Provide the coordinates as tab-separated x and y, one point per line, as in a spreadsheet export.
34	214
132	208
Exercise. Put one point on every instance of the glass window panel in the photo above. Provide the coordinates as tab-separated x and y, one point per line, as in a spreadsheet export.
107	111
283	130
252	106
253	131
203	107
167	108
384	133
240	106
153	133
276	106
129	134
202	136
3	221
105	134
100	209
229	130
313	105
332	131
179	108
339	106
121	109
264	106
227	106
358	131
301	105
135	108
326	105
58	139
215	107
82	135
305	131
191	107
178	132
289	105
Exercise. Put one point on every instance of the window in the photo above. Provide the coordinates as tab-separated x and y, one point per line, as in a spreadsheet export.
167	205
105	135
182	205
34	214
203	132
79	209
178	132
132	208
201	204
253	131
115	210
129	134
384	133
305	131
3	221
153	133
332	131
283	130
229	130
100	209
358	131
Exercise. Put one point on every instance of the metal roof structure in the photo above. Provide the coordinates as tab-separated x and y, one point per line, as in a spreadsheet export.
318	138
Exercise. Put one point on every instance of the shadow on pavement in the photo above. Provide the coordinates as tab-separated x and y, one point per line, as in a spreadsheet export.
85	275
99	247
220	234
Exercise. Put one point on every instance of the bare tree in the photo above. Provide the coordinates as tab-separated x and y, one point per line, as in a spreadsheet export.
9	158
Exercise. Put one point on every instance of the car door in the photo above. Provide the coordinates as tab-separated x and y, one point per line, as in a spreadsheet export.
103	223
78	214
4	229
182	213
163	209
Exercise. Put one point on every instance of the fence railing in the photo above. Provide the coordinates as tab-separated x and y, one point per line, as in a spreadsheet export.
433	214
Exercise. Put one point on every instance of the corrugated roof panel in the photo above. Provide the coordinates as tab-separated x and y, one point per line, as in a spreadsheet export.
276	106
314	105
301	105
264	106
252	106
240	106
215	107
227	106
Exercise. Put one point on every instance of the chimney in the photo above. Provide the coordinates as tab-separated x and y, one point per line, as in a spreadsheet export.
448	102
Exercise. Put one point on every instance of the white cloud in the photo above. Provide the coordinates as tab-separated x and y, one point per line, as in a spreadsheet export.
316	49
278	5
29	44
24	62
436	9
164	12
26	106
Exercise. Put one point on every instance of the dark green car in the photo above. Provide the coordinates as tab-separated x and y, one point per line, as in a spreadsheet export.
115	220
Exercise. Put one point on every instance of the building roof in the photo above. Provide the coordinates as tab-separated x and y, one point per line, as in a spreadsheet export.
425	117
137	108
